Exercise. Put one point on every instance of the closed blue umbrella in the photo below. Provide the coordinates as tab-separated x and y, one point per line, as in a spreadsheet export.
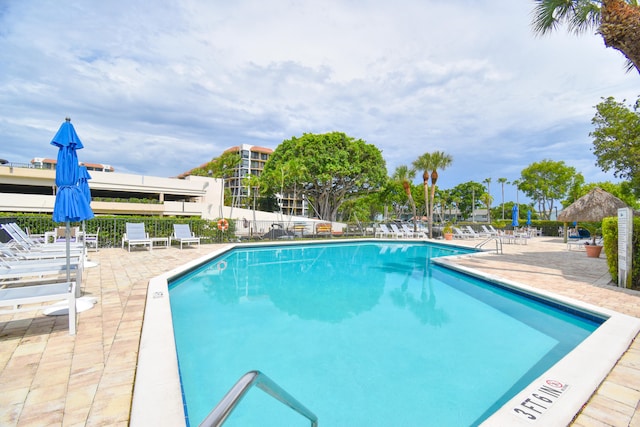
70	204
514	216
83	183
528	217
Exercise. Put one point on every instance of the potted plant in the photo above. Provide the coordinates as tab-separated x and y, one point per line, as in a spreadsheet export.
448	231
593	248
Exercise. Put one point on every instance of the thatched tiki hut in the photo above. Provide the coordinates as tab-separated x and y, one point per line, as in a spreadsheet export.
592	207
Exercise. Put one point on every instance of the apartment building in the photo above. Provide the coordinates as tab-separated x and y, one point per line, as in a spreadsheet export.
253	159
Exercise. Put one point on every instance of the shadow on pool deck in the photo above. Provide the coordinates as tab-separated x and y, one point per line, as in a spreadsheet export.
50	378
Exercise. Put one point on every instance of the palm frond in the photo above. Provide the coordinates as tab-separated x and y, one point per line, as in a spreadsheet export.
586	16
579	15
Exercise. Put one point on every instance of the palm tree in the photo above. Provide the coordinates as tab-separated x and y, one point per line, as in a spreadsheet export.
431	162
502	182
405	175
617	21
488	182
487	199
253	184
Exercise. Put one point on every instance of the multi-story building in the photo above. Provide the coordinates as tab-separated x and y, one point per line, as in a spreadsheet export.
26	188
253	159
44	163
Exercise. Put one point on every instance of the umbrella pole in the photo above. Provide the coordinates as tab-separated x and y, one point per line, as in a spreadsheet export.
67	238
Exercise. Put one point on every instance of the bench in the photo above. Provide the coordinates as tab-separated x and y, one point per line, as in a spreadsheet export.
323	229
33	294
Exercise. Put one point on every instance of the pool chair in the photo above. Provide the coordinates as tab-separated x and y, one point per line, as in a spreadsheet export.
91	240
489	232
135	235
382	231
415	234
16	298
60	234
476	234
22	272
459	234
24	247
183	234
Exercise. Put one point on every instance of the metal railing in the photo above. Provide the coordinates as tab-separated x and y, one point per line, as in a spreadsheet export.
498	241
229	402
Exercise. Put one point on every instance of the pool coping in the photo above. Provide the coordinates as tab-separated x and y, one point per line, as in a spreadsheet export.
157	397
596	355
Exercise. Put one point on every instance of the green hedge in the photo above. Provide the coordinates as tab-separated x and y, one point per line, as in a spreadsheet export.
112	227
610	235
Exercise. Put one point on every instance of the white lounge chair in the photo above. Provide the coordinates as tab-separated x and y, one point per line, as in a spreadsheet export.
476	234
135	235
91	240
183	234
410	233
382	231
17	297
489	232
24	243
40	271
395	231
459	234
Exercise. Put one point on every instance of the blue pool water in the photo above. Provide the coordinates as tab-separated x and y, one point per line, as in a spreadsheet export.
363	334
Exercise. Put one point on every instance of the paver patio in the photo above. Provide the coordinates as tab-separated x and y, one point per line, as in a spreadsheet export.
50	378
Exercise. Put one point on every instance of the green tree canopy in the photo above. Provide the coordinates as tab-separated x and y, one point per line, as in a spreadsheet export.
546	182
330	169
219	167
467	196
616	140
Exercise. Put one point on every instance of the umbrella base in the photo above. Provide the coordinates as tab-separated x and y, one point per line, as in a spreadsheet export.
62	308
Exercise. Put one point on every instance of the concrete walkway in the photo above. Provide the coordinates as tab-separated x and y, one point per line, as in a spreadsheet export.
50	378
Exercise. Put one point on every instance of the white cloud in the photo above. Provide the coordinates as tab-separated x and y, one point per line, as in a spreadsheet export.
160	89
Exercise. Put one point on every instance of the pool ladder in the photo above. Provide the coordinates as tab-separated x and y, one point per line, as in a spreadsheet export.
223	409
498	241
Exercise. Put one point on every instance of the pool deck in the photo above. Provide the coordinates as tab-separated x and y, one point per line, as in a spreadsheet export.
48	377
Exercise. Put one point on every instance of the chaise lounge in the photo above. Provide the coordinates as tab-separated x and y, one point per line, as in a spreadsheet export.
183	234
135	235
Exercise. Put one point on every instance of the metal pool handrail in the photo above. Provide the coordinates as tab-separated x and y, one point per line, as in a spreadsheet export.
498	241
228	403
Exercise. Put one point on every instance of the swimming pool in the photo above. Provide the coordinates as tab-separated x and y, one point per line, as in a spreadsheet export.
363	334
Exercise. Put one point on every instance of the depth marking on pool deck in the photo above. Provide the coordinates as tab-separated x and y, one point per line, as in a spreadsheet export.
540	400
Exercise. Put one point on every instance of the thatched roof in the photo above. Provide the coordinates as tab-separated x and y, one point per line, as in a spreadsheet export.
592	207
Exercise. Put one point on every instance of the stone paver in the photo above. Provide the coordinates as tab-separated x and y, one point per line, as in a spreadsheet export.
50	378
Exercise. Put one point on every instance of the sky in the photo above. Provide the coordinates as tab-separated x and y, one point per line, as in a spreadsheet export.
157	88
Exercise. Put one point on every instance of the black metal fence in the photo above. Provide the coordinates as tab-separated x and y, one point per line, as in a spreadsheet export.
110	229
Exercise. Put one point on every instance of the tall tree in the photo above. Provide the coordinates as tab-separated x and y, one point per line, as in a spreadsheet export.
547	181
616	140
405	175
487	199
502	182
490	199
617	21
431	162
464	195
333	168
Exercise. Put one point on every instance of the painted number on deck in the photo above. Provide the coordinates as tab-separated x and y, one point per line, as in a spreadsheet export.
540	400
